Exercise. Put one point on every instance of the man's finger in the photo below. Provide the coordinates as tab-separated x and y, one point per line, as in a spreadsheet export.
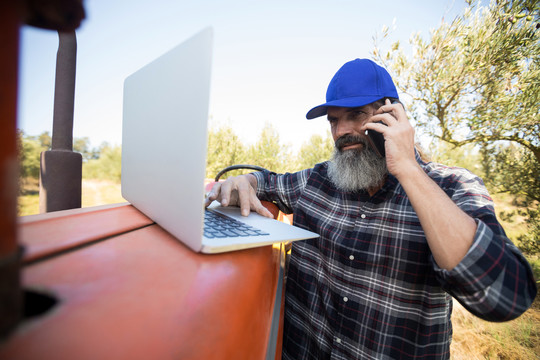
396	109
245	198
225	193
374	126
262	210
212	194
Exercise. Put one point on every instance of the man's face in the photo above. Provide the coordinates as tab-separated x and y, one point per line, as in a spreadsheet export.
354	165
345	124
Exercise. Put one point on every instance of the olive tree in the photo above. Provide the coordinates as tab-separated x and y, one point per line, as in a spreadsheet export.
476	80
317	149
269	152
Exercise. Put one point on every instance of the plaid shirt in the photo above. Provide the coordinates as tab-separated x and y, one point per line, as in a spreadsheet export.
369	288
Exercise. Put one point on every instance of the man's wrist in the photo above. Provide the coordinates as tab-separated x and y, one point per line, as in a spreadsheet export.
252	180
409	173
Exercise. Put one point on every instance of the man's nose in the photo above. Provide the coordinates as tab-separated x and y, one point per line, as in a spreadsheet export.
343	127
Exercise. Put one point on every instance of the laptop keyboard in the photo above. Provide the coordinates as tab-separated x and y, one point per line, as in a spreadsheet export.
217	225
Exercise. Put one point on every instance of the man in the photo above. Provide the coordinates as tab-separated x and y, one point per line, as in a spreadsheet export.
398	236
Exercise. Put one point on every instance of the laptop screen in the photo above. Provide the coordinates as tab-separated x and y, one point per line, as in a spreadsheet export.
164	137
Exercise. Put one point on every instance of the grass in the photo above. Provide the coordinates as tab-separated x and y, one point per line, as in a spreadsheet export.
100	192
94	192
28	205
513	226
478	339
473	338
28	202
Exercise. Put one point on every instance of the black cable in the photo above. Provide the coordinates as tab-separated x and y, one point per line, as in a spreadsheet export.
237	167
281	206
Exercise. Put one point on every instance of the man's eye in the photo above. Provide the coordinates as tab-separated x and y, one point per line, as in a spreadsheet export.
359	114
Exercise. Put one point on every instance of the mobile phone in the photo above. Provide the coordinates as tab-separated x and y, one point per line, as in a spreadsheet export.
376	139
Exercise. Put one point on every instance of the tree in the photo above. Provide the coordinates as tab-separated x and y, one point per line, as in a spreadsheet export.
268	152
476	81
45	140
466	156
82	146
224	149
506	166
107	166
30	148
317	149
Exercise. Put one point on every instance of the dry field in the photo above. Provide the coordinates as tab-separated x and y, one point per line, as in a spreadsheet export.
94	192
475	339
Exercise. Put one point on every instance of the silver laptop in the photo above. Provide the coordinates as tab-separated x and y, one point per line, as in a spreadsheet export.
164	143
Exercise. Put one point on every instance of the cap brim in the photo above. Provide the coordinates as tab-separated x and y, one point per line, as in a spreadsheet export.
352	102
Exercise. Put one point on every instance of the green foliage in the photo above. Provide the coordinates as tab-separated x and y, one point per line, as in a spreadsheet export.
528	243
466	156
476	81
44	139
107	166
535	264
224	149
30	149
512	169
82	146
268	151
317	149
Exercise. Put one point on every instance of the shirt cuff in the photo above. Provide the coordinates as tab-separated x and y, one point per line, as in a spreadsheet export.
480	267
259	175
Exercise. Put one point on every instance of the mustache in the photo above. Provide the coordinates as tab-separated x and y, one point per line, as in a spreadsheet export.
347	140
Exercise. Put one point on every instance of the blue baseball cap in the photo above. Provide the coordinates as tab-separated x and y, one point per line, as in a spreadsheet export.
357	83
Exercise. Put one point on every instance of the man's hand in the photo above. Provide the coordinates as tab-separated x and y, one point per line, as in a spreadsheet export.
238	191
449	230
398	135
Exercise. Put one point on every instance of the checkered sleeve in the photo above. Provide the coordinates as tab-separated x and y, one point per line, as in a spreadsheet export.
493	281
282	189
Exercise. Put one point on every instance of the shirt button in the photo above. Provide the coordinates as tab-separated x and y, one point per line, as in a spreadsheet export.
363	216
345	299
351	257
338	340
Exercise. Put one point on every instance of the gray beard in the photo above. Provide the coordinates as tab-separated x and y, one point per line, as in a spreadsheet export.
357	169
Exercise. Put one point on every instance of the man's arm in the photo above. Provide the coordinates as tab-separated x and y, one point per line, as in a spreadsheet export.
238	191
492	279
449	230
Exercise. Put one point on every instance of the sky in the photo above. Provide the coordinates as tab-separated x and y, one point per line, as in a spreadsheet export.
272	60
